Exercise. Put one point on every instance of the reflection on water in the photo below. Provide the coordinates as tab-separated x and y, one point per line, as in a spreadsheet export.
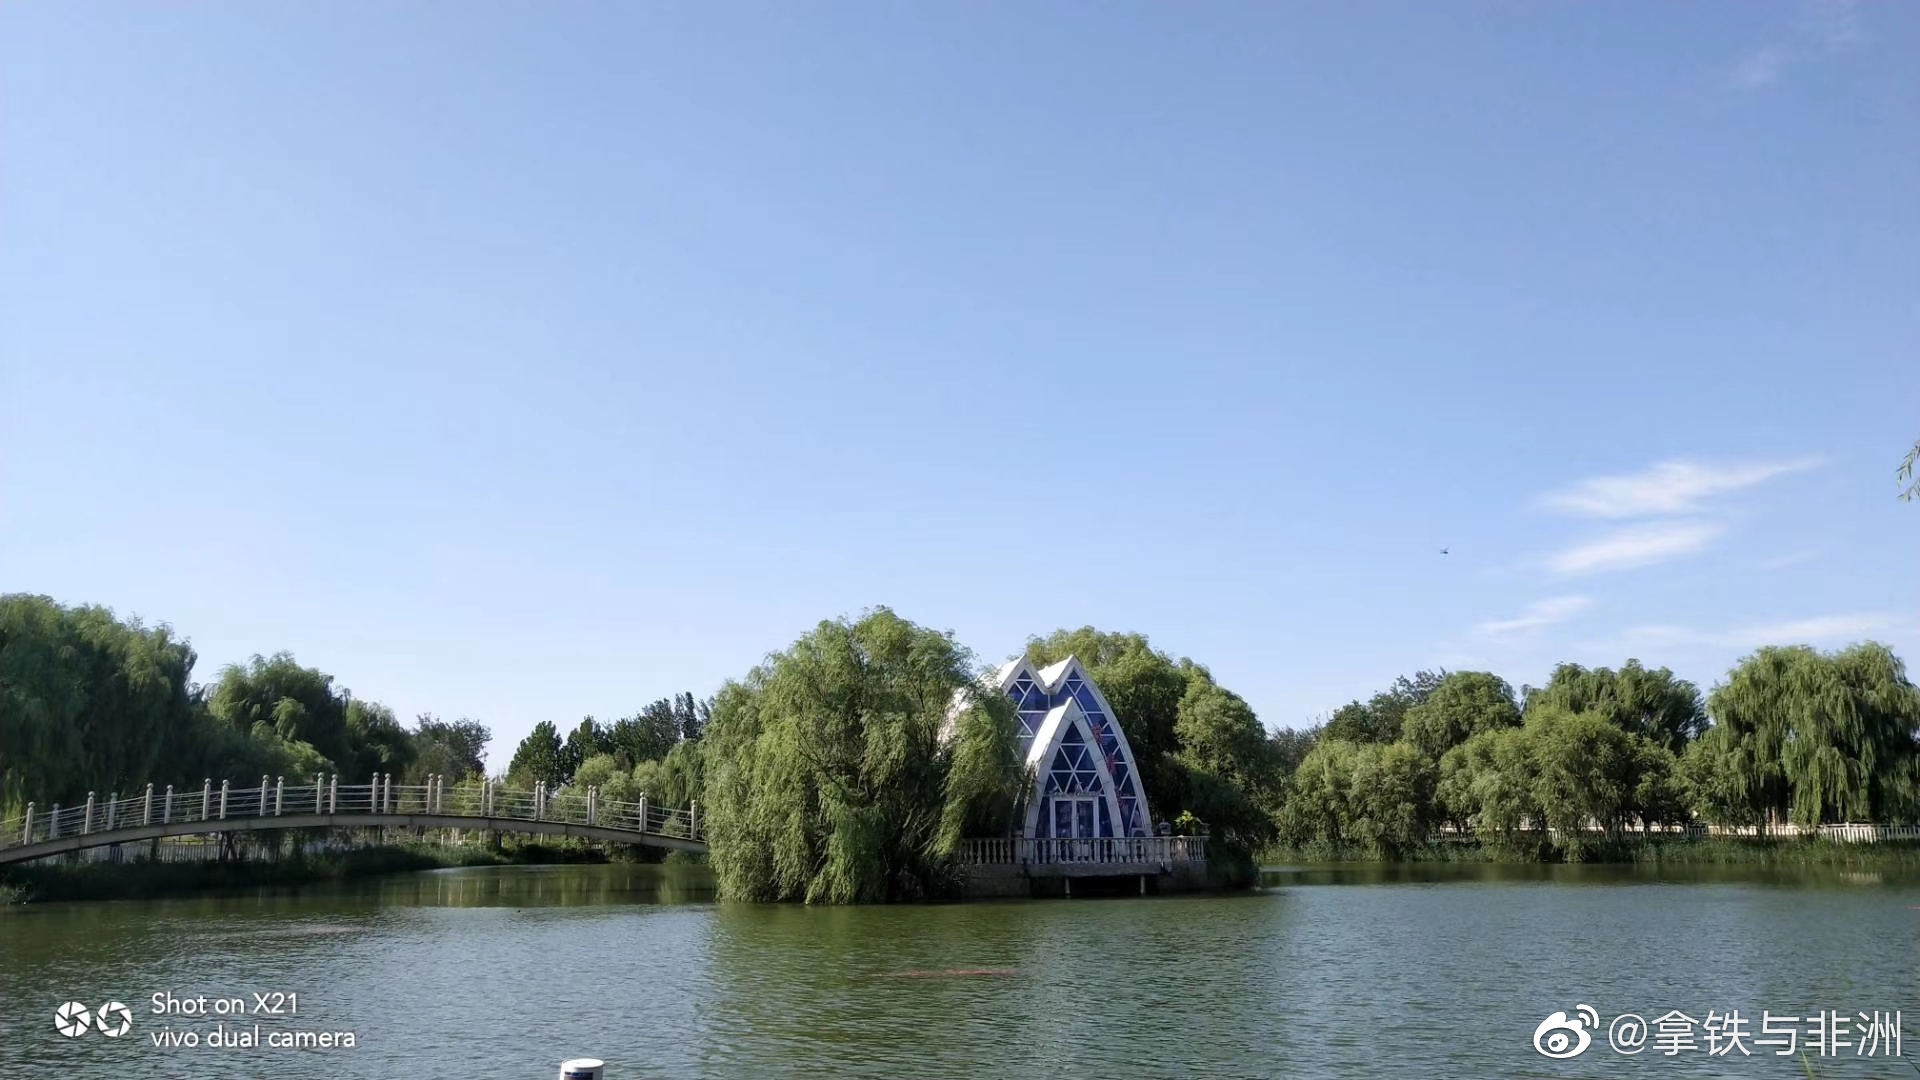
1436	873
1430	970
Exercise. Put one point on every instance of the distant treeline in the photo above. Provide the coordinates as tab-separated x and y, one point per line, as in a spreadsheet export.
91	702
655	753
1791	735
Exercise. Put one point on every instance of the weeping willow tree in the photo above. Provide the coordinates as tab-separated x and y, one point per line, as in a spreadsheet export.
1813	737
834	775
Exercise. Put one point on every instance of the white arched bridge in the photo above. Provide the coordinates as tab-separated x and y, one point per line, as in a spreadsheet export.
325	803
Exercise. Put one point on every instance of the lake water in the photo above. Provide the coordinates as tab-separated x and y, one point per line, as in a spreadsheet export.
499	973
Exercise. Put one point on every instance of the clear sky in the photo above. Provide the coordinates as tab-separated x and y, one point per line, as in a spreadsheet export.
523	361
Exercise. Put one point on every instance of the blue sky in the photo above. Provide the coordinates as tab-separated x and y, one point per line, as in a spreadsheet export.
524	361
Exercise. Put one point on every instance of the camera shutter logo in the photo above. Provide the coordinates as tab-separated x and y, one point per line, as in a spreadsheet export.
115	1019
72	1019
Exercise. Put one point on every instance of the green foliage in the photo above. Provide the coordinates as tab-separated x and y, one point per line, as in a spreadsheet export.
647	735
380	744
828	779
89	702
1469	758
539	759
585	741
692	715
1488	782
1291	746
450	748
1377	796
1812	737
1317	806
276	697
1583	770
1390	797
1653	704
1233	776
1461	705
1381	718
681	774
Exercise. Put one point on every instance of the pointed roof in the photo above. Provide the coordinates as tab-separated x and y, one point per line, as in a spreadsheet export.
1044	736
1053	673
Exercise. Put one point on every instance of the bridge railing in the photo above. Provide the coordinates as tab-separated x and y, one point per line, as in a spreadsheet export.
326	796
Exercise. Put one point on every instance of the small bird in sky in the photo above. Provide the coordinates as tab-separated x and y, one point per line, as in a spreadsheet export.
1446	551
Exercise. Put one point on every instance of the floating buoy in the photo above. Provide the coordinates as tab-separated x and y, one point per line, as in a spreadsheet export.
583	1069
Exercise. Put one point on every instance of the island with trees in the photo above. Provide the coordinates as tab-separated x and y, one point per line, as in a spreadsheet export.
851	765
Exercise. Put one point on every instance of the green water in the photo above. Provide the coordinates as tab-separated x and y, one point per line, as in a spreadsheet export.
1396	971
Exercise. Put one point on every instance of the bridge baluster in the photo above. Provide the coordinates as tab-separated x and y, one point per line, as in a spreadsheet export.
206	797
224	788
166	808
260	808
333	794
279	792
146	809
27	838
86	826
693	821
389	790
373	806
643	811
53	823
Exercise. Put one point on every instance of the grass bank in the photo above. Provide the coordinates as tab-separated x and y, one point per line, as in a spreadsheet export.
1637	850
139	879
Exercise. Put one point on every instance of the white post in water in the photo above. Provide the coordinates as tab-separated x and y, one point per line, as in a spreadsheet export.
146	811
583	1069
